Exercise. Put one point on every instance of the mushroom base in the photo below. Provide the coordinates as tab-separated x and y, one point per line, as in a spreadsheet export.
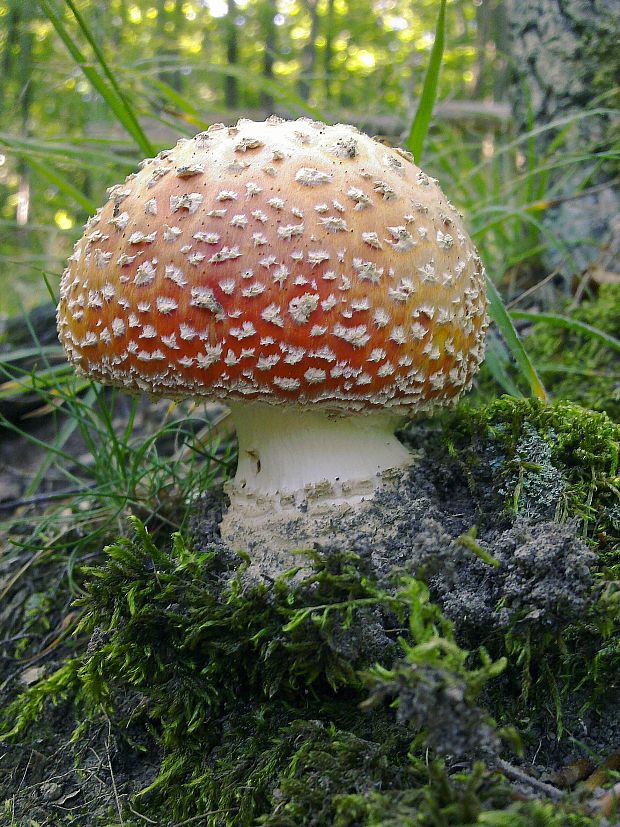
302	470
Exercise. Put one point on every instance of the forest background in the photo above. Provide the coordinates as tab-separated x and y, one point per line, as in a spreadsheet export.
184	65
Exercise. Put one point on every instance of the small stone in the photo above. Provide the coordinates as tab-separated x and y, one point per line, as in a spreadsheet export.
50	791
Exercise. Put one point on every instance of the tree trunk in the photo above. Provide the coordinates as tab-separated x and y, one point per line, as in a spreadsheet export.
565	55
329	49
231	87
491	49
267	12
308	52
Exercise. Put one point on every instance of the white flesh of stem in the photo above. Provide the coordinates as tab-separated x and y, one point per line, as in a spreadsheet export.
284	450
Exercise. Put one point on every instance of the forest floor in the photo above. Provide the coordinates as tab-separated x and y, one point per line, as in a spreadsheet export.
509	520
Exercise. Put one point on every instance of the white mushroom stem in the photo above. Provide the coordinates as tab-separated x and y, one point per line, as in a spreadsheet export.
295	452
302	473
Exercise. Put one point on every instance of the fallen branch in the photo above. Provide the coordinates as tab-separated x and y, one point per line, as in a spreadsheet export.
518	775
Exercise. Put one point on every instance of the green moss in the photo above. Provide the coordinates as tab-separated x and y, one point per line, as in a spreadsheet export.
28	708
524	451
328	699
577	367
199	627
462	799
248	688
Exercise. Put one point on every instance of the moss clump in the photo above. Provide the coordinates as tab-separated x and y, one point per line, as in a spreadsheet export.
243	684
577	367
551	605
451	800
202	627
258	717
531	455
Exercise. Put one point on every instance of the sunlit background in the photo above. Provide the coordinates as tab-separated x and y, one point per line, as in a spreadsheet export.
184	65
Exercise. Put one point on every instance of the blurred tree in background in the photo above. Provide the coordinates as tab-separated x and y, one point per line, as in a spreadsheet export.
566	59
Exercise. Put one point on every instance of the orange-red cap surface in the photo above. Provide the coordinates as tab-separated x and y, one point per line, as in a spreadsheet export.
278	261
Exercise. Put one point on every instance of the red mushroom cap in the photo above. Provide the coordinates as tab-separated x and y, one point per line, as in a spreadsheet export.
279	261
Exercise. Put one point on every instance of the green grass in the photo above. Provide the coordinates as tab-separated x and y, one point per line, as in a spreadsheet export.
424	111
572	325
103	80
152	471
504	323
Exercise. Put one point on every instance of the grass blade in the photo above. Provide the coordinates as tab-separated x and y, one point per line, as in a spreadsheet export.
117	103
523	138
17	355
55	449
38	381
502	319
64	185
496	360
137	131
281	93
422	119
567	323
78	155
183	108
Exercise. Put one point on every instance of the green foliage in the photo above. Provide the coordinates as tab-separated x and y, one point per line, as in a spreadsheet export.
252	690
109	88
433	798
502	319
433	677
567	323
273	768
462	799
576	366
583	445
424	111
221	668
27	709
120	470
219	640
528	453
537	814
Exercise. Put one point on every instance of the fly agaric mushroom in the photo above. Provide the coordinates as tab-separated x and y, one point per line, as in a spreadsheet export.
316	280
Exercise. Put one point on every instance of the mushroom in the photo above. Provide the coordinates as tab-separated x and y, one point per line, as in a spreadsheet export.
316	280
